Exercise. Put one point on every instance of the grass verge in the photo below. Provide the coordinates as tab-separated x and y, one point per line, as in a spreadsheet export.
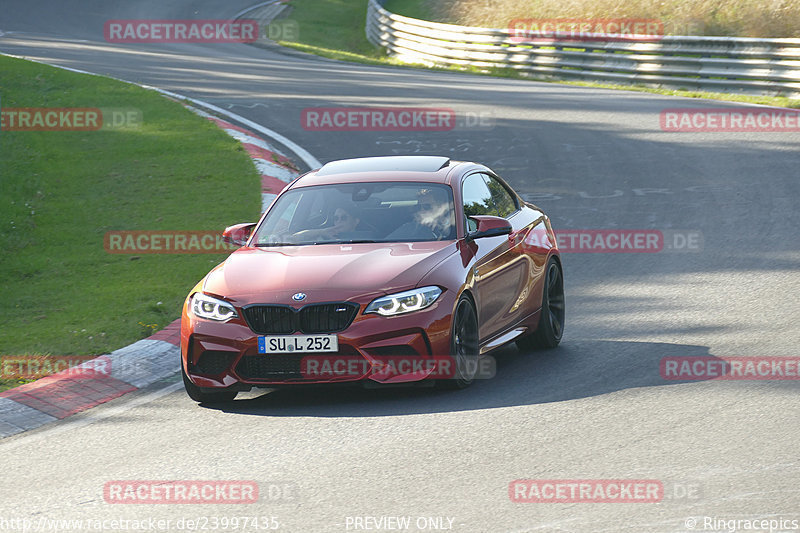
417	9
335	29
61	191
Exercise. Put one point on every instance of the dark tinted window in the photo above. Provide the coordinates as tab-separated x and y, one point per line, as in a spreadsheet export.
477	199
504	203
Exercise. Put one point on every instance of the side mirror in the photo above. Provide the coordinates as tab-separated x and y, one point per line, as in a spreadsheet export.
489	226
238	234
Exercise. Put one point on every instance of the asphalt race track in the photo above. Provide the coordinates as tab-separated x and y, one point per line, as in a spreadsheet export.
596	408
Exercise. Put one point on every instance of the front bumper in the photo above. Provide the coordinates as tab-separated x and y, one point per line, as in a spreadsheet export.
373	349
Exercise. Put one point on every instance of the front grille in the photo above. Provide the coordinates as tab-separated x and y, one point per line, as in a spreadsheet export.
270	319
315	318
326	318
213	363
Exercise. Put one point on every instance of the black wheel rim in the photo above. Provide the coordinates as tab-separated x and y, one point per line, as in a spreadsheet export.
465	342
555	300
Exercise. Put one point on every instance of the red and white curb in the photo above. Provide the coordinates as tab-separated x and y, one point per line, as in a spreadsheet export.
63	394
144	362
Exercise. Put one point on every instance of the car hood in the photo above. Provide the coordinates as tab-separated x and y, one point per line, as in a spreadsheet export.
323	272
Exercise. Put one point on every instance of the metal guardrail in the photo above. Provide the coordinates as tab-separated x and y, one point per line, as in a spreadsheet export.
723	64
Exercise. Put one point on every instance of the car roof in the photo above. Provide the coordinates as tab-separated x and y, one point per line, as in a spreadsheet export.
434	169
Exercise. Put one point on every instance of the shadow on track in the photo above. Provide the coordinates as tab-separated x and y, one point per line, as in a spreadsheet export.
576	369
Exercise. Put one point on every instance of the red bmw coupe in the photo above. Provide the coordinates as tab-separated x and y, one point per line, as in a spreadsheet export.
379	270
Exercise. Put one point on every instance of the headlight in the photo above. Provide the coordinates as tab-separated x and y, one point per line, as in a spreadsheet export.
205	306
404	302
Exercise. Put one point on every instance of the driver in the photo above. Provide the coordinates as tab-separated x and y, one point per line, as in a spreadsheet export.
345	222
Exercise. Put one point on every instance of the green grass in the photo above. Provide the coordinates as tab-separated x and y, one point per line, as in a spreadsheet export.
418	9
335	29
330	24
61	191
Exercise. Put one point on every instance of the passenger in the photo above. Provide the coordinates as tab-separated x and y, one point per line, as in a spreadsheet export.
433	220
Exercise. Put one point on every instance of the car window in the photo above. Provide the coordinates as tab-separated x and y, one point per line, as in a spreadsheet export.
477	199
374	212
504	202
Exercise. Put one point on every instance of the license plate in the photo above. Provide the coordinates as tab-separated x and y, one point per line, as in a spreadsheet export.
298	344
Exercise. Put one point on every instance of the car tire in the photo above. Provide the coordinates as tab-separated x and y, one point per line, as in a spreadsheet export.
463	345
201	395
551	319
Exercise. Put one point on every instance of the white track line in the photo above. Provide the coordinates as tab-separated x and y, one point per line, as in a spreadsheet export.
301	152
247	10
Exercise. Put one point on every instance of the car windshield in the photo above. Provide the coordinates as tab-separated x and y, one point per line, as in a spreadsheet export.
360	212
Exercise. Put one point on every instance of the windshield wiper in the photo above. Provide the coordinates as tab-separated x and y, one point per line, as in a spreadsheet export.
278	244
352	241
